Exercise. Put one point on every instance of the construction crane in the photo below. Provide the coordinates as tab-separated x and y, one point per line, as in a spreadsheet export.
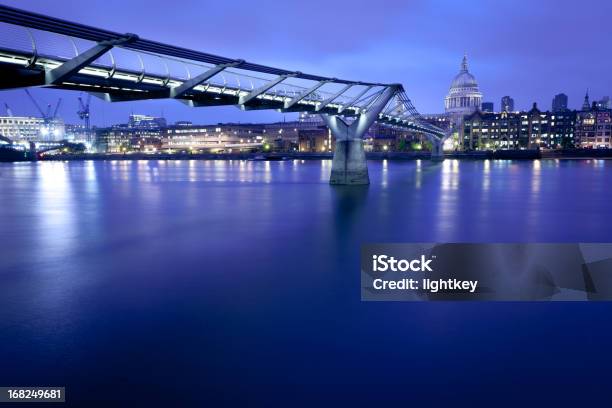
83	113
42	114
59	102
49	127
46	116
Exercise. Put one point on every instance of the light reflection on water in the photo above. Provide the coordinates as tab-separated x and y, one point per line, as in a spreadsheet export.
455	200
452	201
202	261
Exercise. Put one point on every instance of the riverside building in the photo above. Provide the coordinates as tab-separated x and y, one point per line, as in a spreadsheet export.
225	138
593	126
122	139
31	129
519	130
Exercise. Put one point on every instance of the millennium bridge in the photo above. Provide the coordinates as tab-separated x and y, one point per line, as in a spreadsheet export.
42	51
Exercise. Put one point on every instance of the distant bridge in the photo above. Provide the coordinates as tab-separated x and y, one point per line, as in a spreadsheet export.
35	149
38	50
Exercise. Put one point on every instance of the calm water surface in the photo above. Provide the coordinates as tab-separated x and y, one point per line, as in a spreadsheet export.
231	282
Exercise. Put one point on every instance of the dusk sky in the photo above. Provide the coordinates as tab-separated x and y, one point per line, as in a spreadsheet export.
529	50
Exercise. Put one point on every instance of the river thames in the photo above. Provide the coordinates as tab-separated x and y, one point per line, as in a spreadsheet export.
227	282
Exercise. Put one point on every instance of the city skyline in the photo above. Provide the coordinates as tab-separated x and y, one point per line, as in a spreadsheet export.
517	71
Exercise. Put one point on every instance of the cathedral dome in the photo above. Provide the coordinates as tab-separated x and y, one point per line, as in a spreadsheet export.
464	80
463	97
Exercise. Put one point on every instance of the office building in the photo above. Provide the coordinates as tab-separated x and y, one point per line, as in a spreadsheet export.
559	103
519	130
488	131
146	122
221	138
507	104
31	129
594	127
315	140
603	103
488	107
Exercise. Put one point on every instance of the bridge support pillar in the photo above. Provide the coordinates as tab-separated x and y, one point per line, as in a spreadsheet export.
349	166
437	152
32	154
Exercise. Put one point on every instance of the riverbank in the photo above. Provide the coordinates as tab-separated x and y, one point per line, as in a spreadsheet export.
423	155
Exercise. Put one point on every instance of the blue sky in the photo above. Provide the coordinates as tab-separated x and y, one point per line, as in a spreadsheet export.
527	49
